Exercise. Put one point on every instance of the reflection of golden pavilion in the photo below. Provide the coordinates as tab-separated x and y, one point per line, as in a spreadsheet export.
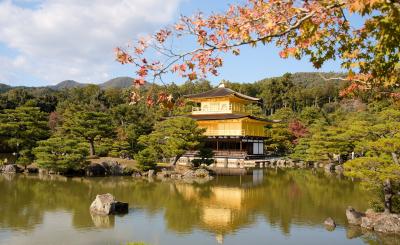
220	209
232	132
217	216
225	197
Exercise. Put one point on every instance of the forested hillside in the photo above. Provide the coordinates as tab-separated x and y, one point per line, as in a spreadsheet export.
4	87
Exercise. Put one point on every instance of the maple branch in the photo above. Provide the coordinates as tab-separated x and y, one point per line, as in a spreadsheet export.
208	47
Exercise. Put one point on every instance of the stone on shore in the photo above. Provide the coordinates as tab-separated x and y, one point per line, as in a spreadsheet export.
106	204
151	173
189	174
339	169
95	170
11	169
113	168
32	169
202	173
109	168
163	174
354	217
136	174
330	167
381	222
371	220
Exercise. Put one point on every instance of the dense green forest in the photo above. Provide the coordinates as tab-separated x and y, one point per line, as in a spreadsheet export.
60	129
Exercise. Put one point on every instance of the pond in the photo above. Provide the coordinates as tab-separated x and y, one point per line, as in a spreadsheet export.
280	207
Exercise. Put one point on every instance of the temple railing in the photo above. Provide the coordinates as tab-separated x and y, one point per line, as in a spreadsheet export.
222	153
223	108
229	132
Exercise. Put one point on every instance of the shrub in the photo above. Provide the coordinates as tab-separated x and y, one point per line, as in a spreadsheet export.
146	159
120	149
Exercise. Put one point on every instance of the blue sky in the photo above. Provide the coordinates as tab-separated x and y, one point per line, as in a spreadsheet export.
44	42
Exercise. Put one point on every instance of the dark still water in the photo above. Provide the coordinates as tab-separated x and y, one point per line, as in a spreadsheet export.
286	207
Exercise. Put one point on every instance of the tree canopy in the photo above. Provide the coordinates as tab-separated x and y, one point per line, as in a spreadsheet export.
319	30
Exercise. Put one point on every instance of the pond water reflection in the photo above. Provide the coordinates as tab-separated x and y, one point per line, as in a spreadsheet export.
284	207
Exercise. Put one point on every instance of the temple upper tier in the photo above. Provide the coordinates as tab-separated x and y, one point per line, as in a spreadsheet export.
221	100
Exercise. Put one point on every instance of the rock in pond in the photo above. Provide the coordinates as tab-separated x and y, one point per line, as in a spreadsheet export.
354	217
106	204
330	223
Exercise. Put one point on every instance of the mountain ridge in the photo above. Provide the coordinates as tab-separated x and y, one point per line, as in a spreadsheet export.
125	82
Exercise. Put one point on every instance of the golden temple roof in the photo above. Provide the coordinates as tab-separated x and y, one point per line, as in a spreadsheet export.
221	91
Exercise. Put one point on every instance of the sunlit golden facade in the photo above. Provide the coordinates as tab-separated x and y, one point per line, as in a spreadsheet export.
231	129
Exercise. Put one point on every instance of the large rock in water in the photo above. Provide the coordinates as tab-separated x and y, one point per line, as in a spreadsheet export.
106	204
354	217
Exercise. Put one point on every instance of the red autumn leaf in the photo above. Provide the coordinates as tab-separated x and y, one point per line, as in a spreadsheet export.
137	82
122	57
298	129
162	96
143	71
149	100
192	76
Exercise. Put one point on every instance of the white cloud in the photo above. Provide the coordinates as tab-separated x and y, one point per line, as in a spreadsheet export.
58	39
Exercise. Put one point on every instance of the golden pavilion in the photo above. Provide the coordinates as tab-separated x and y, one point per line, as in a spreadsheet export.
232	132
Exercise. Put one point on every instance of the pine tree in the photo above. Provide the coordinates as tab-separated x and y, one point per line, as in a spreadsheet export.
379	167
61	154
173	137
21	128
89	125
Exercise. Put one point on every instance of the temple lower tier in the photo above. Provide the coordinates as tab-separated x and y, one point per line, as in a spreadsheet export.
231	151
236	147
233	147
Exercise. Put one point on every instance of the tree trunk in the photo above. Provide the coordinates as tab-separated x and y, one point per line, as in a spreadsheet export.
176	160
395	158
91	148
388	194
